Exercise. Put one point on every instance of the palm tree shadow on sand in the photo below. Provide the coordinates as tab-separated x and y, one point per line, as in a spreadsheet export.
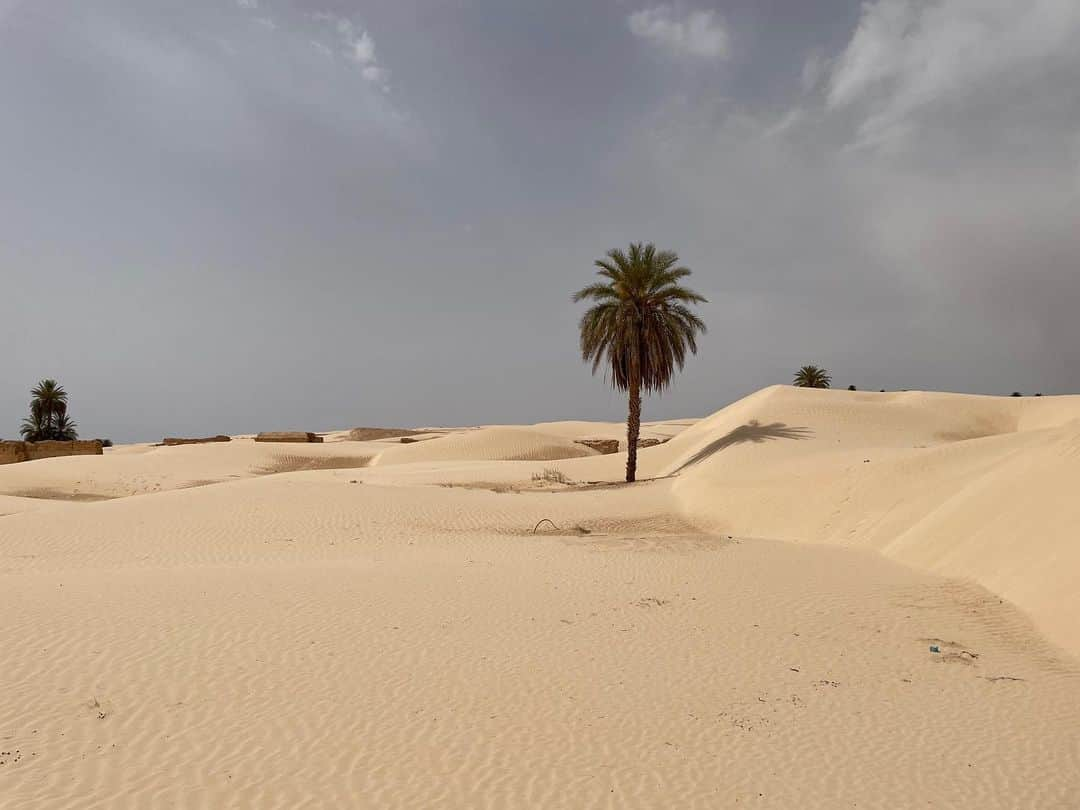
752	431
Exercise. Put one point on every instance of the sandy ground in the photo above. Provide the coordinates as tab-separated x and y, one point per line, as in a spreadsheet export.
376	624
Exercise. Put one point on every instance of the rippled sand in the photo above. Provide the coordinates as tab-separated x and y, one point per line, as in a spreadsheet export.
224	632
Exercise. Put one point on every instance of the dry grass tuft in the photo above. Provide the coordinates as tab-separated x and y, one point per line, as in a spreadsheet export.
551	475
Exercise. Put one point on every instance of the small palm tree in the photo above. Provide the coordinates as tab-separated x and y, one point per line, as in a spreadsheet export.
34	428
48	414
640	326
812	377
64	429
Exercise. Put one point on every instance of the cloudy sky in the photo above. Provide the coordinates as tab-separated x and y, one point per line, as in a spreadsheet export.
236	215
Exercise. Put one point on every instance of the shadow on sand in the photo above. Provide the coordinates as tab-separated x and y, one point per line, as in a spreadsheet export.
752	431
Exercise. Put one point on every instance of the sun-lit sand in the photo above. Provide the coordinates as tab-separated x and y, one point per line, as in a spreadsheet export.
384	624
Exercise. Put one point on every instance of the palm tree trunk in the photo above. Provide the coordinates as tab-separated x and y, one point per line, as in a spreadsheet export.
633	427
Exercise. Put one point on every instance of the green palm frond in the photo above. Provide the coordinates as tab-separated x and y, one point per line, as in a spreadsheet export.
65	429
33	429
812	377
640	316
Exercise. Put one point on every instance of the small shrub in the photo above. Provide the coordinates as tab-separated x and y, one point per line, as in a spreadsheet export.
106	442
551	475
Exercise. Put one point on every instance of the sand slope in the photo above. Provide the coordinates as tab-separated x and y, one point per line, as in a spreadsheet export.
300	640
399	635
975	487
146	469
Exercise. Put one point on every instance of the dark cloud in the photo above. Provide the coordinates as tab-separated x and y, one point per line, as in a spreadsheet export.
227	218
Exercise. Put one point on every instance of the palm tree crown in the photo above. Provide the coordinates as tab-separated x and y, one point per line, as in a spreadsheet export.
48	414
640	326
812	377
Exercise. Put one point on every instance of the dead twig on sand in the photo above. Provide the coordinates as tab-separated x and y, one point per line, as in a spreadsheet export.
577	529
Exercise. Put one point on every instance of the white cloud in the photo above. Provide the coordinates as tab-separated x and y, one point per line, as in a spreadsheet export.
790	120
358	46
909	59
954	225
363	49
374	74
814	69
694	34
268	22
247	3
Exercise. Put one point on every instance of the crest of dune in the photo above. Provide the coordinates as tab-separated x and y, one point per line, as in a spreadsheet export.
487	444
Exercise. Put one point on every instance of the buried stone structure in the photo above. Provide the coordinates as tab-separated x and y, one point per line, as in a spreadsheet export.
173	441
14	452
288	436
608	446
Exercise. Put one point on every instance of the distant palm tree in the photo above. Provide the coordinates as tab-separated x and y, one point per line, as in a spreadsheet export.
48	414
34	428
640	326
812	377
64	429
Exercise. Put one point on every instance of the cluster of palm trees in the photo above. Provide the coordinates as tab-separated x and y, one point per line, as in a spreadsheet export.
48	418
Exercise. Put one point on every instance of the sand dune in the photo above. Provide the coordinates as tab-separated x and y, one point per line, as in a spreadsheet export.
367	636
973	487
487	444
145	469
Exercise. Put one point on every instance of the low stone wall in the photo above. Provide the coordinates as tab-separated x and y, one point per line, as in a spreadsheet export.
13	452
173	441
288	436
649	442
605	446
609	446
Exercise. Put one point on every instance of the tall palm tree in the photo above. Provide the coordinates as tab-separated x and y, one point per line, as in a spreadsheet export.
48	414
640	326
812	377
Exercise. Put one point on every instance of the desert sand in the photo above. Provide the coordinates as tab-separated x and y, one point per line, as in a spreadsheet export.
385	625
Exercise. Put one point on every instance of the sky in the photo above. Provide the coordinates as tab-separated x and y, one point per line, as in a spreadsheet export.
227	216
